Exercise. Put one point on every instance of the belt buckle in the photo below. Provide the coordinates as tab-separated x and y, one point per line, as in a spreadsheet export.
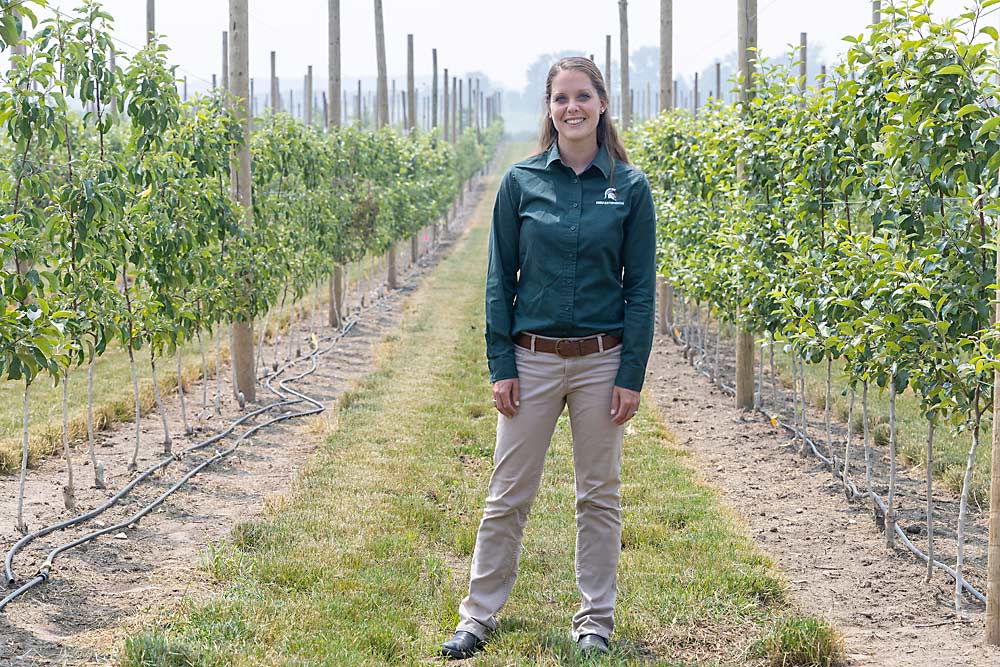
559	351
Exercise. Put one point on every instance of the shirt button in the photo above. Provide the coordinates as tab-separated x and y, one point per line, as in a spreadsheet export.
573	228
576	180
575	204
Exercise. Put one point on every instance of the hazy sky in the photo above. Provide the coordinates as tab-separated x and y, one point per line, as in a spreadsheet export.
499	37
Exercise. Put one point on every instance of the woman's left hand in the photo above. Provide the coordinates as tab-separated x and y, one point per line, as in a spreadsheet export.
624	405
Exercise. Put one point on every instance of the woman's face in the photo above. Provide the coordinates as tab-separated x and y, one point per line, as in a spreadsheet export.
574	106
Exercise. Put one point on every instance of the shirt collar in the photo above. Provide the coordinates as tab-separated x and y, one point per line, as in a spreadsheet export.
602	160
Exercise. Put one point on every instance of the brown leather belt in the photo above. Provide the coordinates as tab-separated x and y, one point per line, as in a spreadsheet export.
566	347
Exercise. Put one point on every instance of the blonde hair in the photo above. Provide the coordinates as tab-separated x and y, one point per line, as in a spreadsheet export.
607	134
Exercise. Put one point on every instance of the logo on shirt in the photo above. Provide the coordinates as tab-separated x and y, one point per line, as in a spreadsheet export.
610	198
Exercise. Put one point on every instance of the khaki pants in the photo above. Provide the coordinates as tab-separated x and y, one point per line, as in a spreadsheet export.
548	383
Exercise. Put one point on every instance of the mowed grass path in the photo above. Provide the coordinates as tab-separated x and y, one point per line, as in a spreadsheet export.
367	559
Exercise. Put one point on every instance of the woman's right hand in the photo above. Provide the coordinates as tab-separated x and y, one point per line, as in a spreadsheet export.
507	396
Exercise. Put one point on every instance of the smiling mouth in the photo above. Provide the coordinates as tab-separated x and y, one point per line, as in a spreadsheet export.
574	121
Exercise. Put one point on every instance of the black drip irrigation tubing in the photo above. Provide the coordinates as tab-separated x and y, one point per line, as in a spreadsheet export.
283	391
287	397
855	493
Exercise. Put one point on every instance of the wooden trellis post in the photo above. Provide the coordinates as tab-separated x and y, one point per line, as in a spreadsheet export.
456	94
478	111
275	101
239	80
626	86
383	116
695	99
607	62
307	100
333	117
434	89
412	123
993	548
411	91
150	20
666	104
746	52
803	63
993	545
225	61
446	109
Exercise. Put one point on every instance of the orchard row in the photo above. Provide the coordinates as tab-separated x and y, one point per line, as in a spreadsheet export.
851	221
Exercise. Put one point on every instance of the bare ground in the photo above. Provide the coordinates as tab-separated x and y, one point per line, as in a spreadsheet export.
834	557
102	591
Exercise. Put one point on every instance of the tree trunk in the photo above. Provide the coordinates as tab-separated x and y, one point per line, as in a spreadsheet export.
91	444
963	508
167	441
867	442
204	373
180	392
69	491
890	514
218	376
847	447
134	463
930	498
21	526
826	415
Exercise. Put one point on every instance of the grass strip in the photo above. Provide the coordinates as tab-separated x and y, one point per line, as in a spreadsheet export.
366	560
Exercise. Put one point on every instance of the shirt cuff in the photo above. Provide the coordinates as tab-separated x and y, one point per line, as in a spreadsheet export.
630	377
503	368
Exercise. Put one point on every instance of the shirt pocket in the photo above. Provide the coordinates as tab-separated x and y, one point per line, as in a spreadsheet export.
538	240
603	233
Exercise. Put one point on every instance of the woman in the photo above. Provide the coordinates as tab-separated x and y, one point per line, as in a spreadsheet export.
569	321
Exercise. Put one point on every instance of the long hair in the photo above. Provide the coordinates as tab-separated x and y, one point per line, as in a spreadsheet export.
607	135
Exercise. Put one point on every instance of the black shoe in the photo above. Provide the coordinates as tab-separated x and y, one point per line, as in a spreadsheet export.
592	644
462	645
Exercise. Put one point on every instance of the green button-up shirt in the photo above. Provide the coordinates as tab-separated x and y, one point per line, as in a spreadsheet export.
572	255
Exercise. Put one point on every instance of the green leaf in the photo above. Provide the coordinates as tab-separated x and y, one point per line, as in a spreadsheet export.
951	69
8	29
969	109
990	125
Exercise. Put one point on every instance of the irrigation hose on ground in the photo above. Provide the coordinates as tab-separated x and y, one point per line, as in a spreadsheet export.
283	391
287	396
855	493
